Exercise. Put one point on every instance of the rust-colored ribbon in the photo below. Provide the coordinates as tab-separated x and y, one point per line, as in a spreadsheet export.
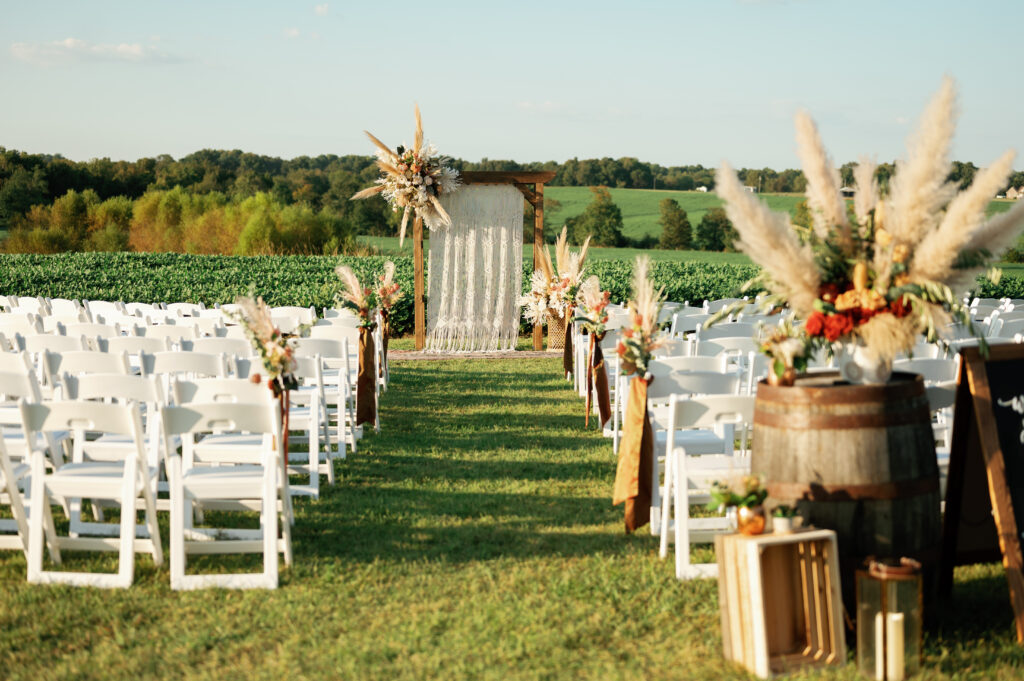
385	330
567	343
366	380
597	380
636	459
286	406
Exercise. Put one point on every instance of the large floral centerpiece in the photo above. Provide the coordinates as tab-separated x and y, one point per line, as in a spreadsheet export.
877	279
413	179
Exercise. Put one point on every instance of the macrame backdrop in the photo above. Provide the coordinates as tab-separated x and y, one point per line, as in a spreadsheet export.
475	271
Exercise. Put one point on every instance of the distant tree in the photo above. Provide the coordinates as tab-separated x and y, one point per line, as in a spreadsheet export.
963	173
601	219
676	233
19	192
715	232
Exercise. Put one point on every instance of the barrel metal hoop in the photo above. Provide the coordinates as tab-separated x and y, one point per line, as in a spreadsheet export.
805	421
899	489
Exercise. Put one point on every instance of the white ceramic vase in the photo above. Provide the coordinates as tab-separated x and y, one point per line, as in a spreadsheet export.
860	365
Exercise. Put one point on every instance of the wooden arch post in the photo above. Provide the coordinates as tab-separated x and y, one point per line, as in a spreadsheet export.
534	194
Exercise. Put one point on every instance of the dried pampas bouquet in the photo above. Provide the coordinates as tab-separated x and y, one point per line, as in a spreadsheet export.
892	270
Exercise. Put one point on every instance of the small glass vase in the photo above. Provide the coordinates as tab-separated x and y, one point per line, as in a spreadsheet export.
861	365
750	520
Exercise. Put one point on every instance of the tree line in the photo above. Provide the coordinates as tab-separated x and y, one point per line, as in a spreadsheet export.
50	202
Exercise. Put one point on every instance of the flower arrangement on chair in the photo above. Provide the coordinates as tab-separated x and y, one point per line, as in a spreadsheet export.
553	293
747	496
643	336
364	301
593	316
388	293
878	279
413	178
636	452
273	346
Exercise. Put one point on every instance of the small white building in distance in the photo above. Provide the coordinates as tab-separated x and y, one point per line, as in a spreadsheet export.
752	190
1014	193
847	192
702	188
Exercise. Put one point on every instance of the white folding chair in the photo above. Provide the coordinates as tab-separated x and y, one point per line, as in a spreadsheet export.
681	467
232	347
704	441
339	375
55	364
126	482
263	482
14	478
931	370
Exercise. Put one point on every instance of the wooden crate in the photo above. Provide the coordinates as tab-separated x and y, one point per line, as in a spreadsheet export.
780	600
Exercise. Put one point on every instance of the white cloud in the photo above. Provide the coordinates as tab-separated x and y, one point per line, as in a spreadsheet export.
73	49
291	33
320	10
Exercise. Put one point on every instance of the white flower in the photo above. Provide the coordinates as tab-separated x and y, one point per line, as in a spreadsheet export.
417	179
429	180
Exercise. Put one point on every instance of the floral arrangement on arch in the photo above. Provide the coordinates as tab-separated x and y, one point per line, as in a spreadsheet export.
593	306
555	291
273	346
885	274
413	178
643	335
362	300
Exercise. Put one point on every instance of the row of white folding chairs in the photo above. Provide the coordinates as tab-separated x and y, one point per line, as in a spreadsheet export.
127	480
326	416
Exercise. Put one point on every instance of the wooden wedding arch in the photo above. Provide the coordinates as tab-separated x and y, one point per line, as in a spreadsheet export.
534	194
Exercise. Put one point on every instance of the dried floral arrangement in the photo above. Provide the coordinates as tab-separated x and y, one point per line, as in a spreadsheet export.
593	306
413	178
388	290
643	336
272	345
554	290
364	301
789	349
887	273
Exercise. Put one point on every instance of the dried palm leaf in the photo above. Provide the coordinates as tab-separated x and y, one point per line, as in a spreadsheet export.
367	193
383	147
418	141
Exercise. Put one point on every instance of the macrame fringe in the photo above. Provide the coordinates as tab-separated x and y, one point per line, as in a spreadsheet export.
475	271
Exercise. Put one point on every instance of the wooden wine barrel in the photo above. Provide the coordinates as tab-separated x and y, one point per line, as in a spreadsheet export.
856	459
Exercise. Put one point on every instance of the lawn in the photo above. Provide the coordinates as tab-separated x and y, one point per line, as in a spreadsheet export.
473	538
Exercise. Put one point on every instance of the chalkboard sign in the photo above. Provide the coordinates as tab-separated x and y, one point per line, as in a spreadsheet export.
985	493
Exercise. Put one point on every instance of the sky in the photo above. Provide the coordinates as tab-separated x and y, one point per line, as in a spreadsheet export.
674	83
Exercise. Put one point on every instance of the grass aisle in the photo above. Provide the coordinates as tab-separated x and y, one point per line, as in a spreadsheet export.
474	538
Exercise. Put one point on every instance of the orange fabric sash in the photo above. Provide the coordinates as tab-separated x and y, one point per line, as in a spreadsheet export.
597	381
366	380
636	459
385	331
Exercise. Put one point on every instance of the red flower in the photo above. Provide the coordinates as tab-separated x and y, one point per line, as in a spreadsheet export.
620	348
899	308
628	333
815	323
837	325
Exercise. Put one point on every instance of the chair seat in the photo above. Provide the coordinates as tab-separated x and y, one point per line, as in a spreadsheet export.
236	447
224	482
105	478
694	441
